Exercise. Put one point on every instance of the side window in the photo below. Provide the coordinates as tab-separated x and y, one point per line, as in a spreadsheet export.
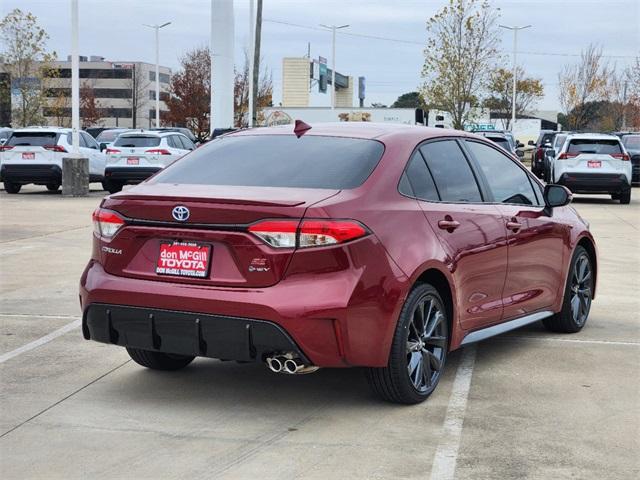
174	141
451	172
90	142
188	144
416	180
82	140
508	182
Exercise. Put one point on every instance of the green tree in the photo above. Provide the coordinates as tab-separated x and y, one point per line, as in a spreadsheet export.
500	90
409	100
27	61
461	49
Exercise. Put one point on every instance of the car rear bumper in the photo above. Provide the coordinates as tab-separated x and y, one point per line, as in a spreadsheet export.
129	174
336	318
595	182
39	173
185	333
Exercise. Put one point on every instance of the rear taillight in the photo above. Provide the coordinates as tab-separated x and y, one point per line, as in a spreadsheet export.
308	233
106	223
111	150
4	148
55	148
621	156
564	156
539	153
158	151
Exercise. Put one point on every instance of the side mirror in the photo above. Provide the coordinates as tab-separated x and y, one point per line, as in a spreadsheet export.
520	153
519	144
557	195
103	146
531	143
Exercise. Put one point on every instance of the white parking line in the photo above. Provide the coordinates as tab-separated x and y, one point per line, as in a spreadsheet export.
444	462
41	341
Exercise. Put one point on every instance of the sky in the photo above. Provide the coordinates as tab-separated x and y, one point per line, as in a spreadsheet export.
391	63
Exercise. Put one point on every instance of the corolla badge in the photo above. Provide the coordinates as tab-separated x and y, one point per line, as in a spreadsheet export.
180	213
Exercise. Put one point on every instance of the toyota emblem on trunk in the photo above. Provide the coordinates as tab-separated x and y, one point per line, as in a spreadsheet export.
180	213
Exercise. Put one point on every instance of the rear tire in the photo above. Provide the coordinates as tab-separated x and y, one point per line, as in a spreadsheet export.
625	197
577	296
111	186
158	360
11	187
418	352
53	187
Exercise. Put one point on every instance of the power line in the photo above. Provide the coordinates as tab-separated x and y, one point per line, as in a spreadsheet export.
414	42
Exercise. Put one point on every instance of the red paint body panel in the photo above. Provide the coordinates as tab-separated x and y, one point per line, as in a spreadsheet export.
340	304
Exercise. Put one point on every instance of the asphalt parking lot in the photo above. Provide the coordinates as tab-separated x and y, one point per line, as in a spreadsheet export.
528	404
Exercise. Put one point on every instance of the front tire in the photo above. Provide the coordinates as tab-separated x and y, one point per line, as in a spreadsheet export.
111	186
418	352
577	295
53	187
159	360
11	187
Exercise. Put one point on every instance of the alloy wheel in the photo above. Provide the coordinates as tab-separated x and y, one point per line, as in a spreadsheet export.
426	343
581	289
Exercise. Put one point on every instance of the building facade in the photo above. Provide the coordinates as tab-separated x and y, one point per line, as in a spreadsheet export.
124	92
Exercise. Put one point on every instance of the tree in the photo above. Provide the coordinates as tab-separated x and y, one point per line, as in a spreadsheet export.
500	90
138	84
632	107
583	83
409	100
190	88
27	61
459	55
264	94
89	107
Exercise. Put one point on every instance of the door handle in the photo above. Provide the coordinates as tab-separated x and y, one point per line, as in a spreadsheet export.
513	225
448	224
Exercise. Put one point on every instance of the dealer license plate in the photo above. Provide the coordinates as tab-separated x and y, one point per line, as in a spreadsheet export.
184	259
594	164
133	161
28	156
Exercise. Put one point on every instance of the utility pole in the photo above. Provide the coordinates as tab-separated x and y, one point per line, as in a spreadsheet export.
515	72
75	81
157	29
250	59
333	29
256	63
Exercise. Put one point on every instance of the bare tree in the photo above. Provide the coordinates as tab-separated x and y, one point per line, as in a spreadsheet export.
138	84
263	91
583	83
459	55
90	107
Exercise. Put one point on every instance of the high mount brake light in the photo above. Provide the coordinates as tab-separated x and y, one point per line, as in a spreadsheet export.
106	223
158	151
308	233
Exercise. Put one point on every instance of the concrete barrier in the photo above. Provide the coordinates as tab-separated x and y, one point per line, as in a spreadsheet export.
75	177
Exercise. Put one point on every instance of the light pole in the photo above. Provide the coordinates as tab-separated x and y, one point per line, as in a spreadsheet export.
250	69
157	29
75	81
515	73
333	29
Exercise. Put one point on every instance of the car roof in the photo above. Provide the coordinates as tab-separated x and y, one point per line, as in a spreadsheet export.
43	129
365	130
594	136
150	133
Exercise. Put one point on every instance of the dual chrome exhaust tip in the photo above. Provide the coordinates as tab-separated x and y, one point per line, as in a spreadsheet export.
289	363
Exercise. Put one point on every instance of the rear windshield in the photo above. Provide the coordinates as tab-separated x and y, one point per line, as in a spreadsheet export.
108	135
137	141
547	138
631	141
32	139
586	145
503	142
278	161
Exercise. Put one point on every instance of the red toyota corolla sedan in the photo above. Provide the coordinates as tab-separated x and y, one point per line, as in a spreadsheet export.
339	245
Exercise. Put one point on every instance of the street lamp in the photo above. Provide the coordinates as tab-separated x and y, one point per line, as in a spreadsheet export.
333	29
515	47
157	29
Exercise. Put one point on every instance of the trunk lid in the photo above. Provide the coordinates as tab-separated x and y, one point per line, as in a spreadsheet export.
218	219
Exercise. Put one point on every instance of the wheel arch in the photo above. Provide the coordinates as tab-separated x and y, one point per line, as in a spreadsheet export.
441	283
589	245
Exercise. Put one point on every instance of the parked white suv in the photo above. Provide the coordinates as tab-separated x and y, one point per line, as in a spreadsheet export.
136	155
34	155
593	163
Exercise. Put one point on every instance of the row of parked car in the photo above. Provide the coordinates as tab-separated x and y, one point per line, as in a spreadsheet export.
116	157
589	162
